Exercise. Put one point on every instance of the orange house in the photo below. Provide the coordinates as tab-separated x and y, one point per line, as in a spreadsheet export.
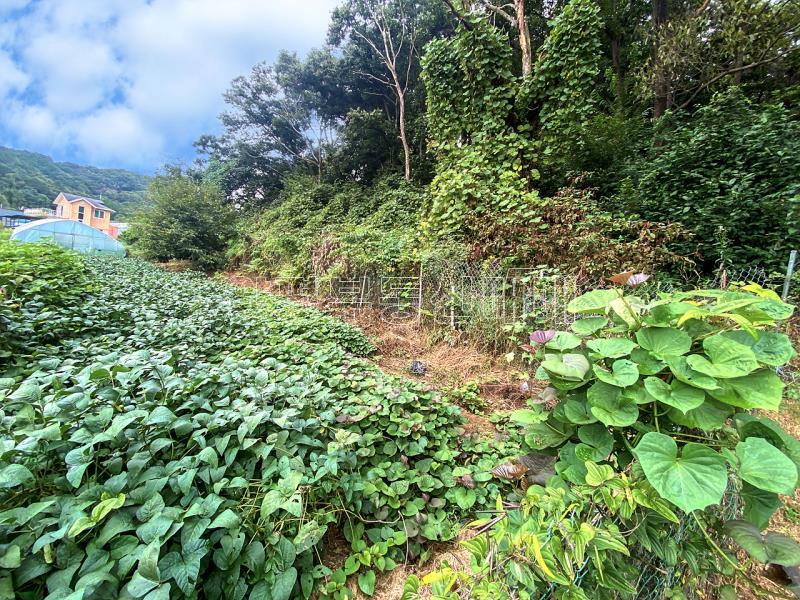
86	210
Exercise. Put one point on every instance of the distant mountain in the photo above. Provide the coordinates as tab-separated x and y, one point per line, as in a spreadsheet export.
32	180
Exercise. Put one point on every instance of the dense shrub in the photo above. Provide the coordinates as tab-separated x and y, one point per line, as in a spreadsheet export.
571	233
728	174
185	220
331	230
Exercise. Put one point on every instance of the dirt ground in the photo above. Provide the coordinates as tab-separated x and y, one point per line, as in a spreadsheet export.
449	363
455	362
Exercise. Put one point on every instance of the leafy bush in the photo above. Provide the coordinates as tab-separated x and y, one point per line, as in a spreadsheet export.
332	231
652	426
728	175
185	220
571	233
204	442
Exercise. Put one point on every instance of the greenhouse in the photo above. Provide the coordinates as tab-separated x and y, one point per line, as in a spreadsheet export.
68	234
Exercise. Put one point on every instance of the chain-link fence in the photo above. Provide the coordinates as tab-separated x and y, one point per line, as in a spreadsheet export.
482	300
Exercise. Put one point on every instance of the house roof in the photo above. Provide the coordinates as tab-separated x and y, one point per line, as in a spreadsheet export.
92	201
10	212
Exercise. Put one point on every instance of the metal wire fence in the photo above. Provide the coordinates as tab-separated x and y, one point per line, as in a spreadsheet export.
479	298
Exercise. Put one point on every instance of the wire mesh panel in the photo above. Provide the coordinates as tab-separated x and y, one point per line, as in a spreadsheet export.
539	298
400	296
349	292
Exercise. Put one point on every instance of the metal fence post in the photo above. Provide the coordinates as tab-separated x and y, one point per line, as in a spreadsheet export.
419	299
789	272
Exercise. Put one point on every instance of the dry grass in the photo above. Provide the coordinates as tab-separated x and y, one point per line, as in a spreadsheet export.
451	363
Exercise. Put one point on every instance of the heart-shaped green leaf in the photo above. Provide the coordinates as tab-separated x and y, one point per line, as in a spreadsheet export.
548	434
708	416
728	358
646	362
611	347
578	411
767	548
595	301
623	373
761	464
598	474
762	389
677	394
572	367
662	342
772	348
681	369
589	325
759	505
692	480
610	406
596	443
563	340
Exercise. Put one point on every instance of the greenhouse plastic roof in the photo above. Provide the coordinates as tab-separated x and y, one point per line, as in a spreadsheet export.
68	234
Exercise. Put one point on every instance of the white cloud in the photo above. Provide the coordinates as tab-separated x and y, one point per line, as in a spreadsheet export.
11	77
134	82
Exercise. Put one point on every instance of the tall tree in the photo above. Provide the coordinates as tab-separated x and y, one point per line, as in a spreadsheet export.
702	46
391	33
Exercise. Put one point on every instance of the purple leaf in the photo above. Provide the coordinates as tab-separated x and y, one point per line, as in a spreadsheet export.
542	337
637	279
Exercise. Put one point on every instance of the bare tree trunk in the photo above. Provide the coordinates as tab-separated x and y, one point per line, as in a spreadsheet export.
661	84
616	60
388	50
401	97
524	38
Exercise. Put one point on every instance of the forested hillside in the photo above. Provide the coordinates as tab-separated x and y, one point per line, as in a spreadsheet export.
28	179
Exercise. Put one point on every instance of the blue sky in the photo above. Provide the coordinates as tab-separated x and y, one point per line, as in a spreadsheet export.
132	83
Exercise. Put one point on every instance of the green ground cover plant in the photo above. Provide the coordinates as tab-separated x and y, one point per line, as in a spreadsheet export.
203	440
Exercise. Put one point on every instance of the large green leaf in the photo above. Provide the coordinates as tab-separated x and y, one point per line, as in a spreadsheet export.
596	301
596	443
14	475
611	347
563	340
693	480
762	389
681	369
769	547
572	367
708	416
759	505
283	585
610	406
728	358
663	342
589	325
547	434
677	394
758	426
761	464
578	411
772	347
646	362
623	373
